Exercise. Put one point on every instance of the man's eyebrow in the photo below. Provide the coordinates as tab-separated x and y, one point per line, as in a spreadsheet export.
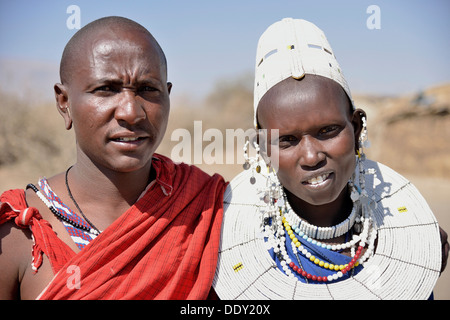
139	81
109	81
150	81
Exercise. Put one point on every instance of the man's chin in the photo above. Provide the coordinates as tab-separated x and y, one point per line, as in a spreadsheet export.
129	164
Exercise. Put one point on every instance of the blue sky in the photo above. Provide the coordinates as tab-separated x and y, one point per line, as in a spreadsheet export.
206	41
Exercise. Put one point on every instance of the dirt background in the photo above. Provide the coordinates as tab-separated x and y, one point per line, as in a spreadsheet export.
409	133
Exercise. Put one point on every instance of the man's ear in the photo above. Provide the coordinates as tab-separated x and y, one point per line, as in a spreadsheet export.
169	86
62	104
357	123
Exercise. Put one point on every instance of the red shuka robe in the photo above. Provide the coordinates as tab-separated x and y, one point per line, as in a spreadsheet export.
164	247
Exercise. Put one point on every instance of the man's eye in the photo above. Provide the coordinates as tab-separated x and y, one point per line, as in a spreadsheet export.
104	88
147	88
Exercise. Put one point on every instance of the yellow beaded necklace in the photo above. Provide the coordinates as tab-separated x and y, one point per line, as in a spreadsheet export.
300	248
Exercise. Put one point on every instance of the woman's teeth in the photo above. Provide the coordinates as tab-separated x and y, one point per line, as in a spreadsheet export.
318	179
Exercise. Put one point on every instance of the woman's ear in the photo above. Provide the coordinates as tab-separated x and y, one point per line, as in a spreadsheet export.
62	104
268	142
357	122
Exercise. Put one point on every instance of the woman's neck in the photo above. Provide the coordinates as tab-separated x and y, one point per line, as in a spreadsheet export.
324	215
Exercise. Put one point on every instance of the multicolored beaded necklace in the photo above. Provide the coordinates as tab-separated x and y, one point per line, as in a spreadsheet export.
81	230
281	222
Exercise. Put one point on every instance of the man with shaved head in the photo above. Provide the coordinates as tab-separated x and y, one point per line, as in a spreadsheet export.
123	222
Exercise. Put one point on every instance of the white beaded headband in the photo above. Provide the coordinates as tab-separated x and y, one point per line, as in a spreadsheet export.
293	48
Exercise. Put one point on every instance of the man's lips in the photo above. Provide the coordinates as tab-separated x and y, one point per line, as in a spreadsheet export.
128	137
129	141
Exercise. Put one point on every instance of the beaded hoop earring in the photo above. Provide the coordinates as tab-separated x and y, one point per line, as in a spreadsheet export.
252	162
367	205
363	137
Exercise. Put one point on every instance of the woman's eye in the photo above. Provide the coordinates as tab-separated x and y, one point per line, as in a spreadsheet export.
329	131
286	141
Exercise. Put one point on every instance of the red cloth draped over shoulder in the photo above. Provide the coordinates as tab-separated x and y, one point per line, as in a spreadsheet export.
164	247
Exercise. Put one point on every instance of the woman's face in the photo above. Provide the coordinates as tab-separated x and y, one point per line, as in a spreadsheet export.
317	136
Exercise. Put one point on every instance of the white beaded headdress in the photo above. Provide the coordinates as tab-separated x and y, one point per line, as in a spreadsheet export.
293	48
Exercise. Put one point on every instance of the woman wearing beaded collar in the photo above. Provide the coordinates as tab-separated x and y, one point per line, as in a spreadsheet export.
321	221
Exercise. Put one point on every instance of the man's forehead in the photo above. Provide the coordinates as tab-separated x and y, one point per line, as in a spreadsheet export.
107	47
105	42
114	59
104	47
113	54
103	37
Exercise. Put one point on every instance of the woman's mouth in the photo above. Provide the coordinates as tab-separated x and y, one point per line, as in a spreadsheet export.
319	180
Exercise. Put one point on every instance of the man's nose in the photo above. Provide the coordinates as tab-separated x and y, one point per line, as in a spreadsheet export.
129	108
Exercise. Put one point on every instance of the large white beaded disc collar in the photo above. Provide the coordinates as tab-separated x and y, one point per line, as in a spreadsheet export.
405	264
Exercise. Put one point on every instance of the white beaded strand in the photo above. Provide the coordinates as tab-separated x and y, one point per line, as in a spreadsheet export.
309	231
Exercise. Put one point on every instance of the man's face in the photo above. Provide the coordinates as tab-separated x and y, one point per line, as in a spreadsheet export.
316	145
119	101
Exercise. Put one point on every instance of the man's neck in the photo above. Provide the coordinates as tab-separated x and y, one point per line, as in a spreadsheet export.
107	191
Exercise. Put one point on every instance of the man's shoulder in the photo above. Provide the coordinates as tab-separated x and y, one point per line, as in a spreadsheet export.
11	196
15	257
185	168
12	202
11	233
